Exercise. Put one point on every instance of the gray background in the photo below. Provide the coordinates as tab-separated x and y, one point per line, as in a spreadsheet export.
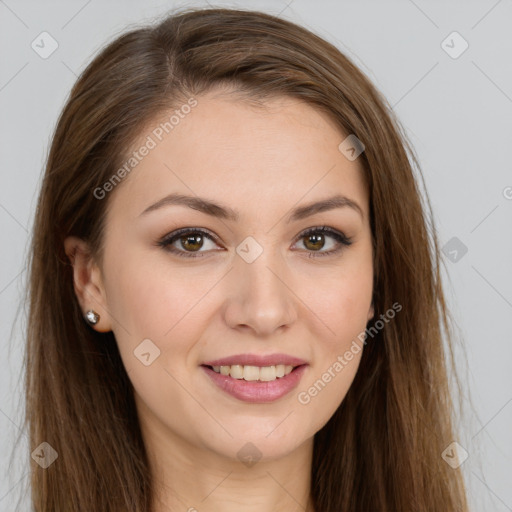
457	113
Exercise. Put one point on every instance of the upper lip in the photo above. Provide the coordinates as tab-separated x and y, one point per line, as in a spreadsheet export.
256	360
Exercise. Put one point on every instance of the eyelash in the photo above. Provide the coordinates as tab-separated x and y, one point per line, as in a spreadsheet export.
167	240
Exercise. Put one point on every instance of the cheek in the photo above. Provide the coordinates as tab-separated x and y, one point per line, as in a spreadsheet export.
337	355
155	326
151	300
346	314
342	305
341	299
146	298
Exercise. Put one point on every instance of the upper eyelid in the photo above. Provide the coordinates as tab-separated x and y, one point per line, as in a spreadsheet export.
184	231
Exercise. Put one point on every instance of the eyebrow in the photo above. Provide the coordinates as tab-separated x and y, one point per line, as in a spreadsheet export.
224	212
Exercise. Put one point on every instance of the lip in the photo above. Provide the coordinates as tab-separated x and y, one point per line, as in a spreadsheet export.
257	360
256	391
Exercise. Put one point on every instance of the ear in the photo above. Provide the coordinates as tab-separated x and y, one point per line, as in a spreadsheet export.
88	283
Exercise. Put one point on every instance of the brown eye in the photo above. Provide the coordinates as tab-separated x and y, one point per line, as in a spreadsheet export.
316	239
192	242
185	242
314	242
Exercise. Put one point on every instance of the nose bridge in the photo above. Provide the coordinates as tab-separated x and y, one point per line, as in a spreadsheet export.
260	274
261	297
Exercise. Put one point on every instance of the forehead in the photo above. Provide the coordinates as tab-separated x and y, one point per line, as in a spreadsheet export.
247	156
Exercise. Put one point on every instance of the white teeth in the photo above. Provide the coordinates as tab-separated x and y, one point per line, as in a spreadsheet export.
280	370
236	371
267	373
252	373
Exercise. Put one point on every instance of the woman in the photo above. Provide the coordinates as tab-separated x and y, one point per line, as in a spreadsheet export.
235	300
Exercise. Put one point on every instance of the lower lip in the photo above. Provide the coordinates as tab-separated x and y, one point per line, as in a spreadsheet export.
257	391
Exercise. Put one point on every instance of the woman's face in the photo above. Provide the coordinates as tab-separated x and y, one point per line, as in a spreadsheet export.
249	284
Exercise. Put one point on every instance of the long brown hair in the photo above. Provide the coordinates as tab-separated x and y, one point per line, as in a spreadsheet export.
382	448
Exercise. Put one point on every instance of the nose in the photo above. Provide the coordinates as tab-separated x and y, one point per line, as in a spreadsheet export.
261	297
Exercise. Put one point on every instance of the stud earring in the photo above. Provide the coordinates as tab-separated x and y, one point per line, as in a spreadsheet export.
92	317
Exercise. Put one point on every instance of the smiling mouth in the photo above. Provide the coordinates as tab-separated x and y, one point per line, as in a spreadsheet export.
254	373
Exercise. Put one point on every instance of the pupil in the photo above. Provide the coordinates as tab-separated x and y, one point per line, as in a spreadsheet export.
189	242
317	241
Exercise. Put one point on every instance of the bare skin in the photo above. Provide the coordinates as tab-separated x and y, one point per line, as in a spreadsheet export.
263	163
